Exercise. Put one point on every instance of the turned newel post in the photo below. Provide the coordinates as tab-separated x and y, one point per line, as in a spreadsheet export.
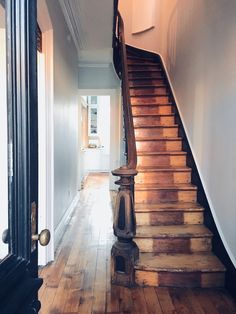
124	252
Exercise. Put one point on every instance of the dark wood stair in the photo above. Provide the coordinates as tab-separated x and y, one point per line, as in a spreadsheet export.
175	246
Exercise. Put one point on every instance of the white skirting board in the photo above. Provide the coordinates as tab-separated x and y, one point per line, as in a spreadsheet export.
61	228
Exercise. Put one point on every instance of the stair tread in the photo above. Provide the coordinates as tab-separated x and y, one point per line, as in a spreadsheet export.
150	95
148	114
163	168
157	114
173	206
152	104
155	186
145	70
144	78
204	262
157	126
149	86
158	138
179	153
172	231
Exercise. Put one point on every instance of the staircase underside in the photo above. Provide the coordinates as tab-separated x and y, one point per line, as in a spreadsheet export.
175	246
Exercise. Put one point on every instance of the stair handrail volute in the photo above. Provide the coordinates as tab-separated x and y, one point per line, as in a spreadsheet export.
124	252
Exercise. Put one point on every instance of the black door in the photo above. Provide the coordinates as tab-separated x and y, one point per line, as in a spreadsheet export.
19	282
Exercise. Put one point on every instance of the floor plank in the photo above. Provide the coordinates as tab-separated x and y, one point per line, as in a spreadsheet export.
78	281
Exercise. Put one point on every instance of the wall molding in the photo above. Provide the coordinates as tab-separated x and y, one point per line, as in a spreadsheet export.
61	227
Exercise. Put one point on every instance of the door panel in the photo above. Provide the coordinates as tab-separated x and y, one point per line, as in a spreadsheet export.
18	270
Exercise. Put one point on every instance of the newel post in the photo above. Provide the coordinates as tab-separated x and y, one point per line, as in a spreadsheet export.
124	252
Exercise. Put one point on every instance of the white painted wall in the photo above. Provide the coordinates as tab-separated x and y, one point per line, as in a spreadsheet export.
3	143
143	16
65	114
144	40
97	76
197	41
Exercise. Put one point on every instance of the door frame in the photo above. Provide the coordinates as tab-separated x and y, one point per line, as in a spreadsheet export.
18	270
116	126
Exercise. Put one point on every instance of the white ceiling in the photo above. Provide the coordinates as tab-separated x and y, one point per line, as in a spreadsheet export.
90	23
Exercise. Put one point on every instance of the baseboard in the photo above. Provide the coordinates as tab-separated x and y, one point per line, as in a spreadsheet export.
60	229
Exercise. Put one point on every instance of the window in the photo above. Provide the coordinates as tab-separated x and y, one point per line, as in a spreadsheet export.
93	120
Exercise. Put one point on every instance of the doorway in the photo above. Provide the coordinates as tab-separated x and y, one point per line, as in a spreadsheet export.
95	131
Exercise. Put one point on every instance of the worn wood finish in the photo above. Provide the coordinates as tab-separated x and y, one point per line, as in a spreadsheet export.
161	159
78	281
163	175
156	120
163	183
151	109
157	99
156	131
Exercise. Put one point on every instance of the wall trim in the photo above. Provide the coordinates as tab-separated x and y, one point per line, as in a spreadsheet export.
61	227
46	211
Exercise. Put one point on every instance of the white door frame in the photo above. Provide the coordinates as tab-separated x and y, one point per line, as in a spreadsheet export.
115	128
46	136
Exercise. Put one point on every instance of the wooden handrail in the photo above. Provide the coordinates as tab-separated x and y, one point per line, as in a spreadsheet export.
124	252
120	63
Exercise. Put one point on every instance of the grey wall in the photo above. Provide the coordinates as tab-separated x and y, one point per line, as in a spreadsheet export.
197	41
98	77
65	113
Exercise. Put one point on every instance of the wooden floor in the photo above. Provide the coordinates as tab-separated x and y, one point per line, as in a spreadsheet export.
79	279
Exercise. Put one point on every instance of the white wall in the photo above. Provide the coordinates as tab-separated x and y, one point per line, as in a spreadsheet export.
65	114
144	40
197	41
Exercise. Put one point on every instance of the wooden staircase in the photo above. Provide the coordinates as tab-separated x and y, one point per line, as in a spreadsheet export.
175	246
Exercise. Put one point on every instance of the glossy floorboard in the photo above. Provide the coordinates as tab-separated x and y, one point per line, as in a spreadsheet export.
79	279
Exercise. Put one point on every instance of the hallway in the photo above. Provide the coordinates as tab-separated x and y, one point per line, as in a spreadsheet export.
79	279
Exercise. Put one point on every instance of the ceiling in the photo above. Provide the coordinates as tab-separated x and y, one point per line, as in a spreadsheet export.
90	23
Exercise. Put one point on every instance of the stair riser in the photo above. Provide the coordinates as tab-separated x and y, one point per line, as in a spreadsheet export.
161	160
155	132
152	146
177	279
148	91
150	100
152	121
141	74
168	218
148	82
146	109
164	177
174	245
136	59
146	67
155	196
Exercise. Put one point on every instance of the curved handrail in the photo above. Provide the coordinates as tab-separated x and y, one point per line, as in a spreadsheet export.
120	62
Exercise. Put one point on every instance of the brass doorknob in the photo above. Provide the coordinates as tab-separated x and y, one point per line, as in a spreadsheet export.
43	237
5	236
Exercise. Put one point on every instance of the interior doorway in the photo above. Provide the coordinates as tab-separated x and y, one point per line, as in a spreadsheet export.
95	131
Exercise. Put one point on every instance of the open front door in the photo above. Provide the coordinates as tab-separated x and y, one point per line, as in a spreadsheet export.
19	282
